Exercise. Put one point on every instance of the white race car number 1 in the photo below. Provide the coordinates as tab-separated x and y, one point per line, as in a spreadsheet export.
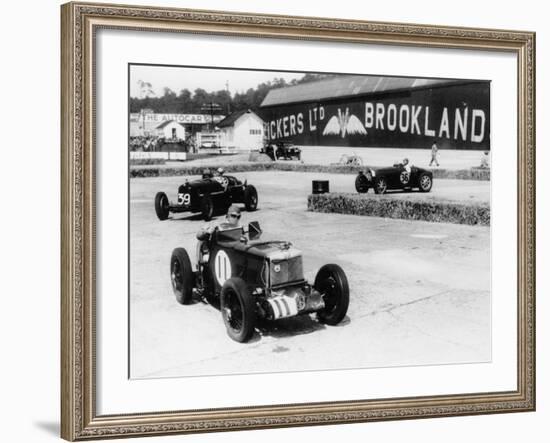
184	199
222	267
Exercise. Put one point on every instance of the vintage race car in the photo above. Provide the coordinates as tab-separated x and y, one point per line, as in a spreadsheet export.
282	151
394	177
250	279
208	195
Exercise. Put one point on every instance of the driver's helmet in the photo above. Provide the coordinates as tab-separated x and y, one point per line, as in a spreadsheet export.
405	161
220	171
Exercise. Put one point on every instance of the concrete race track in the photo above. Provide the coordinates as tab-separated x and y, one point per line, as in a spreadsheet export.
419	291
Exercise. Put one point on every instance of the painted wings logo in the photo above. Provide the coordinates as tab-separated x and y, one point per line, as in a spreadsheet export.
344	124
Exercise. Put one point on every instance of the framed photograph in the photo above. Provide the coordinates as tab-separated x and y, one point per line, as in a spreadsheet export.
275	221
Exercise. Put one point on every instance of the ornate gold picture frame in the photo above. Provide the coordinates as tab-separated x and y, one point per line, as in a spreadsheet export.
80	23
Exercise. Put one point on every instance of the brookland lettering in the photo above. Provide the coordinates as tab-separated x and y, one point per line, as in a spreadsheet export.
458	123
452	123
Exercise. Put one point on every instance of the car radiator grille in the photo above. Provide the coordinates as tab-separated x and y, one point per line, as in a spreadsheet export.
285	271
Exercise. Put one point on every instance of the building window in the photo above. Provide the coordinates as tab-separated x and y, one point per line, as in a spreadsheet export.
255	132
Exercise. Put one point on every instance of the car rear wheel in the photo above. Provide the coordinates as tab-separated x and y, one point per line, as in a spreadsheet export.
181	275
238	309
250	198
361	184
332	283
162	206
425	183
207	208
380	186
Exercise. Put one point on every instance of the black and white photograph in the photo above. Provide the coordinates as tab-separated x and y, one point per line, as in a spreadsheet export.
306	221
275	221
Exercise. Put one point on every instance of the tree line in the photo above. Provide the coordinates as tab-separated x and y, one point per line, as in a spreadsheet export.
187	102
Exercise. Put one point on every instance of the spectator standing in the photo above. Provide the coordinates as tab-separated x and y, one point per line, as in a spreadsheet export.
485	160
435	151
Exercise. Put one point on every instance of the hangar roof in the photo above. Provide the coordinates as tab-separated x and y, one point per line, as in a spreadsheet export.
345	86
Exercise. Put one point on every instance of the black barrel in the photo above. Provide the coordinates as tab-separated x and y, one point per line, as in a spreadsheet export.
319	186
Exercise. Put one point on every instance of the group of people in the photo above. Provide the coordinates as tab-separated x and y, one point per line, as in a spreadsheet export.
145	143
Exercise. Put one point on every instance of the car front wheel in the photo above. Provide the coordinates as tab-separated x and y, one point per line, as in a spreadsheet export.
250	198
361	184
207	208
332	283
380	186
181	275
425	183
238	309
162	206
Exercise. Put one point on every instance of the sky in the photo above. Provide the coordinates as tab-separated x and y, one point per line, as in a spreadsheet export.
178	78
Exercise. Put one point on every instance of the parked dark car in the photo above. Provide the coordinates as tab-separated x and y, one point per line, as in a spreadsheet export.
208	195
250	279
394	177
282	151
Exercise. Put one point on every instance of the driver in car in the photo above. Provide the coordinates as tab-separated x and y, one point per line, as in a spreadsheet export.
231	221
406	174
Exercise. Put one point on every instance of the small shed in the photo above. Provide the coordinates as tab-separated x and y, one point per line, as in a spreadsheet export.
242	130
170	130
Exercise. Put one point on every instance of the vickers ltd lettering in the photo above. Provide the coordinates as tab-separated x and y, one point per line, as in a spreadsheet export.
295	124
462	124
286	126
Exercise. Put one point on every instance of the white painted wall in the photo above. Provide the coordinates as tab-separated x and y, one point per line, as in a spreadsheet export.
246	133
167	130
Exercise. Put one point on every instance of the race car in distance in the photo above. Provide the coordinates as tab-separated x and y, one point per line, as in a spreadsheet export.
250	279
282	151
208	195
393	177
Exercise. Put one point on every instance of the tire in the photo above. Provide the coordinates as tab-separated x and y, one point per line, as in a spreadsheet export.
380	185
238	309
425	183
361	184
223	207
207	208
162	206
331	281
250	198
181	275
